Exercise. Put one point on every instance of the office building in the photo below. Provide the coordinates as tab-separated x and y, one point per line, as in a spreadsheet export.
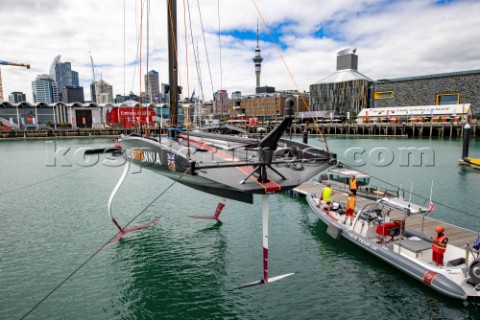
152	86
43	89
17	97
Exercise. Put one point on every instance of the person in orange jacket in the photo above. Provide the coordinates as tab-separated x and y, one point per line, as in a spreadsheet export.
439	246
353	185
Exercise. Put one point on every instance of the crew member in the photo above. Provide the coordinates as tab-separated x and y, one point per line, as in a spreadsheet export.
349	212
353	185
439	246
327	195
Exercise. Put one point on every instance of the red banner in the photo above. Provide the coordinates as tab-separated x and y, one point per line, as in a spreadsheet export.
127	117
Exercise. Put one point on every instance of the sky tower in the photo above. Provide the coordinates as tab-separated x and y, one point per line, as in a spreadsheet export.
258	61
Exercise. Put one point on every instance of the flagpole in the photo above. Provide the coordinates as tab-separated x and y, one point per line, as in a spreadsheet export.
430	206
431	191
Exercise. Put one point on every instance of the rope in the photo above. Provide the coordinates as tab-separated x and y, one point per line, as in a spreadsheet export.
94	254
291	75
197	65
37	183
124	47
205	45
186	118
220	45
412	193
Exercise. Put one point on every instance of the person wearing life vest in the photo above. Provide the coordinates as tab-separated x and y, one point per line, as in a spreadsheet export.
349	212
327	195
353	185
439	246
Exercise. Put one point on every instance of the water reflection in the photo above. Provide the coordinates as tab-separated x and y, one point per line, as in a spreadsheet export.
161	274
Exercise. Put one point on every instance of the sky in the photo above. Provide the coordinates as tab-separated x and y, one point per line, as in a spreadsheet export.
299	42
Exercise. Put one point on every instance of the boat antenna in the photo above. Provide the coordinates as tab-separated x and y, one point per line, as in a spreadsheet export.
430	204
410	198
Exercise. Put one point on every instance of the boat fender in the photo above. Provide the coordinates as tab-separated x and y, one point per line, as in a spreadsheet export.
474	271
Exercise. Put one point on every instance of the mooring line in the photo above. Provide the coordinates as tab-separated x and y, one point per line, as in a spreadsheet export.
38	182
95	253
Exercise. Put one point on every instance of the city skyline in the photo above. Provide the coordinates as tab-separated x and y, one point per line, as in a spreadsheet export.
393	39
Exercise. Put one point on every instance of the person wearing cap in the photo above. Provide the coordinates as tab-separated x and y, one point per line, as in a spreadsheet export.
349	212
439	246
327	195
353	185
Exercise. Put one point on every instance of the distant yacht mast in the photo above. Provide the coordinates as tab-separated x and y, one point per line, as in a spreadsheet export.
258	60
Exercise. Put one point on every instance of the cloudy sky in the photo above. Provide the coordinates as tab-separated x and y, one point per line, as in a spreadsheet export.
393	39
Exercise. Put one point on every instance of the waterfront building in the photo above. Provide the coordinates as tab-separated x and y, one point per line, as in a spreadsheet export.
152	86
417	114
269	105
436	89
344	91
73	94
43	89
17	97
25	115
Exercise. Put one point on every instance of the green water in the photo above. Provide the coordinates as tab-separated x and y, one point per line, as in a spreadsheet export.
182	268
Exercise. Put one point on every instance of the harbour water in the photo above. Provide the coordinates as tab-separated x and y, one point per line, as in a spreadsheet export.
54	217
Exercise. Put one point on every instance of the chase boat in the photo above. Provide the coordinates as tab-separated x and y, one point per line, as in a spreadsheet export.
375	230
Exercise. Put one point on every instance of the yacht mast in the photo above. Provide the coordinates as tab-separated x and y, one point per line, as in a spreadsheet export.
172	64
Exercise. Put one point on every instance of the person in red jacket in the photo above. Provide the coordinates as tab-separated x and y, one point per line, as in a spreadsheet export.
439	246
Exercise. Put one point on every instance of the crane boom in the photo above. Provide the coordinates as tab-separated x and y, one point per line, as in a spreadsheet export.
7	63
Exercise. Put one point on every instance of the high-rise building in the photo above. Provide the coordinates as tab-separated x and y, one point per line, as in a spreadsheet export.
63	75
220	102
102	92
43	89
17	97
152	86
93	91
72	94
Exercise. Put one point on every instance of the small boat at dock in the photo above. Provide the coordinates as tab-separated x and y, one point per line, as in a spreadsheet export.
472	162
383	228
339	178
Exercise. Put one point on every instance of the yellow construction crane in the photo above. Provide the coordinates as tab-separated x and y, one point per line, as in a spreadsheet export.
6	63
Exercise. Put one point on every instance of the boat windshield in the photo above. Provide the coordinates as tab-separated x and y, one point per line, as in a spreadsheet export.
346	179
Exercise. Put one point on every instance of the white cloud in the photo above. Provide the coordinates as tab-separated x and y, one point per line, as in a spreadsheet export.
394	39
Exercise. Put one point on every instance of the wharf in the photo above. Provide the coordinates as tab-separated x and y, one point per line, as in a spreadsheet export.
424	225
403	130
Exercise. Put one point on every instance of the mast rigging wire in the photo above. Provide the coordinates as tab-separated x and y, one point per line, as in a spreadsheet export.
290	73
220	46
195	49
205	45
95	253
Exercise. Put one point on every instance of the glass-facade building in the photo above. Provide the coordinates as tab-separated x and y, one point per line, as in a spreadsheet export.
344	91
43	89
